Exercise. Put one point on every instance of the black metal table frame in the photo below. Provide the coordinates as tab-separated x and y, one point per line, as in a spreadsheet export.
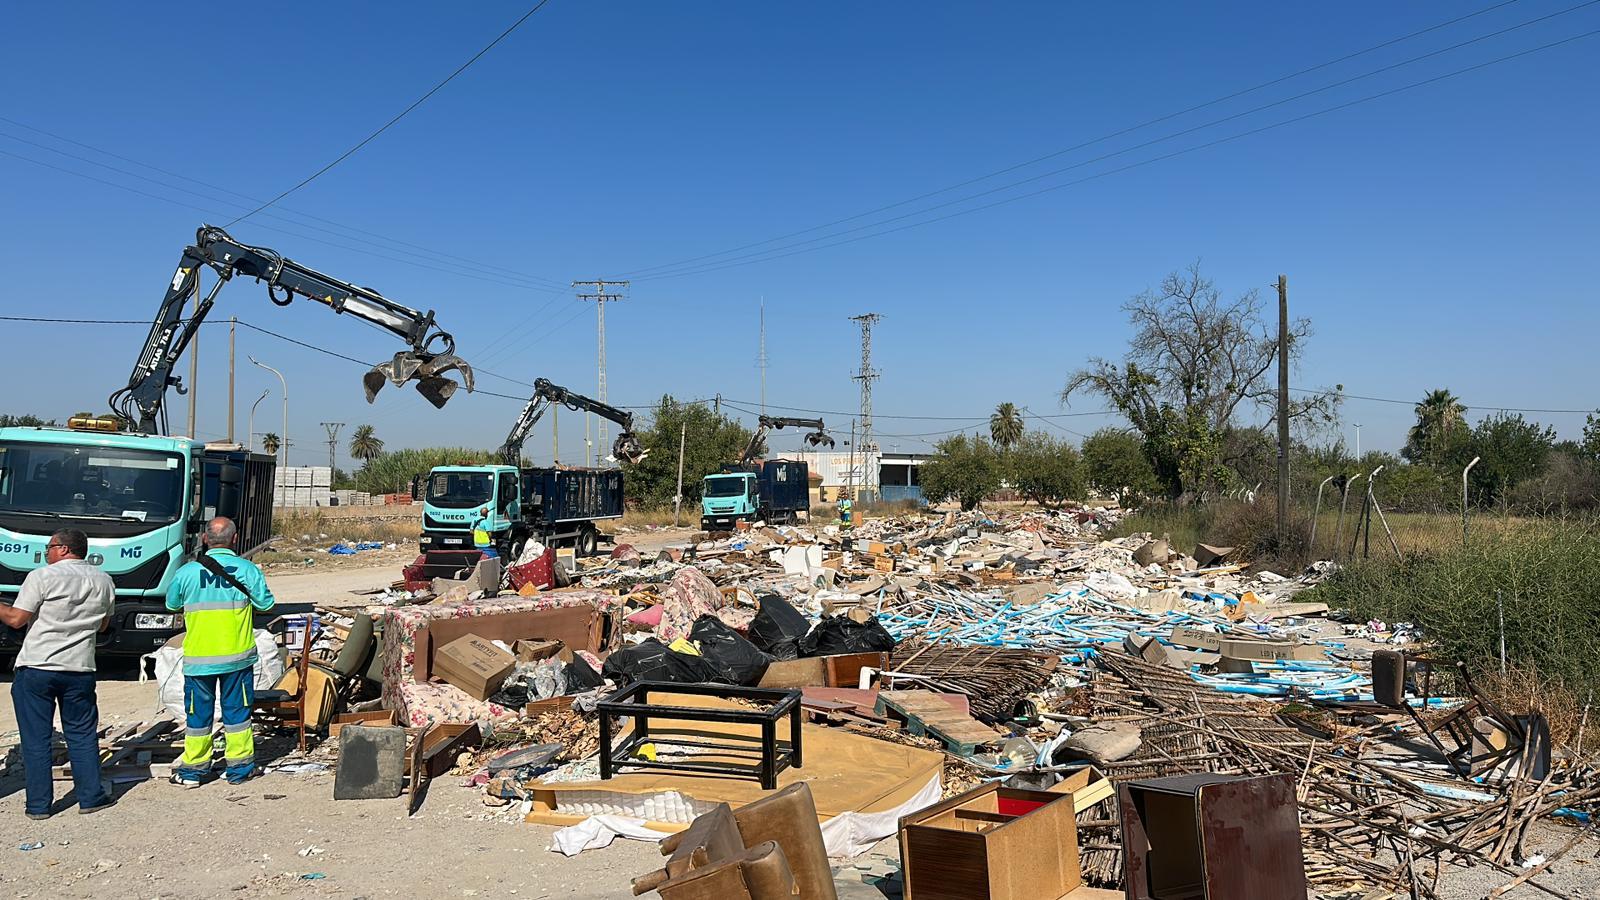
633	701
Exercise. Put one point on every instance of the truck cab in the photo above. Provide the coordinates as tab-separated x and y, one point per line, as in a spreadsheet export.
774	491
455	497
555	505
141	499
728	498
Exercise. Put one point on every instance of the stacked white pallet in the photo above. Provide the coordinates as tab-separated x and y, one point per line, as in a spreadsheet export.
321	477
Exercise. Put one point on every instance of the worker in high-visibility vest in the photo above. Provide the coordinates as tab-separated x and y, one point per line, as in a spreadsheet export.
218	594
844	514
482	538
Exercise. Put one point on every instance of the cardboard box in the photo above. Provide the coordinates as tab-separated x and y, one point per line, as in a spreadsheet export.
473	664
991	843
535	650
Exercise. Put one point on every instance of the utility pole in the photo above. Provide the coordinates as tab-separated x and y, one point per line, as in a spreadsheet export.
600	298
761	356
677	499
233	324
1358	441
850	473
1283	412
717	404
333	443
194	355
555	433
866	376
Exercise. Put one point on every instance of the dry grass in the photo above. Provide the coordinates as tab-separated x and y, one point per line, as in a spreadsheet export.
1522	690
388	528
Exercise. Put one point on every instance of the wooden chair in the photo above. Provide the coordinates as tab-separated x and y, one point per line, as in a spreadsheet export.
354	661
285	704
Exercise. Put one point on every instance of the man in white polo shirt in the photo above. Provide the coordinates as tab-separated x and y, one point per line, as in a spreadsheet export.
64	605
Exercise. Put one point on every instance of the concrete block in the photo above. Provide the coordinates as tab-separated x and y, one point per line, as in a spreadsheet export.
372	763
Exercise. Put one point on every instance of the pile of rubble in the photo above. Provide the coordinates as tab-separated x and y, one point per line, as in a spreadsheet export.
923	657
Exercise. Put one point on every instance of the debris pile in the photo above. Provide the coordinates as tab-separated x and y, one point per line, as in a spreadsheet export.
928	658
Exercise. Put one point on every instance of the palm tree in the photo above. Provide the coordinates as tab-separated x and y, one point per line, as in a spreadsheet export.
270	443
364	444
1439	413
1005	426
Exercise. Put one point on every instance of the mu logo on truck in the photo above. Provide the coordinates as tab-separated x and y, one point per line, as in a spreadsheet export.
132	552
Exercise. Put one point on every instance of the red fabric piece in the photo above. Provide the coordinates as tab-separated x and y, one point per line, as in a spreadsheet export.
540	573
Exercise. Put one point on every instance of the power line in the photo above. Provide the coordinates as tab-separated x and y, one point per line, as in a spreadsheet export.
403	113
211	212
742	405
777	252
1105	137
532	281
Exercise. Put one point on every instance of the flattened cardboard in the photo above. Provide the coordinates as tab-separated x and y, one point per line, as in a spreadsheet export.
473	664
1196	638
846	772
1268	651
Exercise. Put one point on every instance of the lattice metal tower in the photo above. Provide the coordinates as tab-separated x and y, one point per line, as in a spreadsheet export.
600	298
761	356
869	477
332	428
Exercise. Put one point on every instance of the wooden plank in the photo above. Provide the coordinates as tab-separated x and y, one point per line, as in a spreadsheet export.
926	714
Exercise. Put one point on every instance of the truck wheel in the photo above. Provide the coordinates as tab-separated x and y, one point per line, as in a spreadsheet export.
587	543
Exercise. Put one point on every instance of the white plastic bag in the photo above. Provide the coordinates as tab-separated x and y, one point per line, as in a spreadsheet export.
169	672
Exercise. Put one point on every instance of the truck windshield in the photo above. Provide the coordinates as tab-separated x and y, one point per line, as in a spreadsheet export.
63	480
459	490
725	487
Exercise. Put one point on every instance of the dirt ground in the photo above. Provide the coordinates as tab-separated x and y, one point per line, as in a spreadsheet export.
283	834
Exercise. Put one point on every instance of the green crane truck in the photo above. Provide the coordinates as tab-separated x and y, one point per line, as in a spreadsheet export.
514	503
752	490
141	497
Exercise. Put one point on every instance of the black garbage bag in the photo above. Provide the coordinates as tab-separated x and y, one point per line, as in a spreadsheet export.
581	676
736	660
651	660
841	634
778	627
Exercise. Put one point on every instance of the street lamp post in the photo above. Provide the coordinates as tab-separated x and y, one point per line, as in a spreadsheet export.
251	434
283	439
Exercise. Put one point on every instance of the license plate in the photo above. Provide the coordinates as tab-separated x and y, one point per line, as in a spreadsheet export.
453	540
155	620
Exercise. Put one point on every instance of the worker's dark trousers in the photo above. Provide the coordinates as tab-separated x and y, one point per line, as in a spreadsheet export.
36	693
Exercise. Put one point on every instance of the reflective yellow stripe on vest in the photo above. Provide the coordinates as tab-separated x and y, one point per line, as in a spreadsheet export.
218	634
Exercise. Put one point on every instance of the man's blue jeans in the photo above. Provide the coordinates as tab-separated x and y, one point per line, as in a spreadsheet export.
36	693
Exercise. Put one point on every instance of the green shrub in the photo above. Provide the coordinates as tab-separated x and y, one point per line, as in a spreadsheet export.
1545	573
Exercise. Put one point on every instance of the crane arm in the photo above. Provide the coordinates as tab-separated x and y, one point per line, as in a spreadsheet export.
626	447
432	350
819	436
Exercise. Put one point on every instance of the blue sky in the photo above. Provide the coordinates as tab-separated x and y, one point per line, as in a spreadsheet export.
1440	237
